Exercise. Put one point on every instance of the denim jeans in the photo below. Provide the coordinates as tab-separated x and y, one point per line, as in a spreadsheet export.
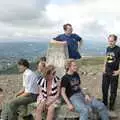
78	101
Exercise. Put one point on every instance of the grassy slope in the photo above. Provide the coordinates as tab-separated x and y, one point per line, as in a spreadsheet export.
84	62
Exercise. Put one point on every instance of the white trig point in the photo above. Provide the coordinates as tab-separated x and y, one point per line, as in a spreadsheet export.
56	55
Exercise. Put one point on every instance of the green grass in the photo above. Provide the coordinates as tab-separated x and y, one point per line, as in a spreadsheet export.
91	61
14	70
83	62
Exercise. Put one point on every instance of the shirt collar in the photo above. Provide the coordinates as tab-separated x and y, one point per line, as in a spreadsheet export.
26	71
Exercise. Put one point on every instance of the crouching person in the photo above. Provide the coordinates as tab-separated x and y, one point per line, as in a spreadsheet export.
25	96
49	89
75	98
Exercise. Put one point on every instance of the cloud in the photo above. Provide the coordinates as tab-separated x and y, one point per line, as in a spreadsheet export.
24	13
92	19
93	31
23	18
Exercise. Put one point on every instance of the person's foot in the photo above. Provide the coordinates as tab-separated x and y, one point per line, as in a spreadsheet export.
112	114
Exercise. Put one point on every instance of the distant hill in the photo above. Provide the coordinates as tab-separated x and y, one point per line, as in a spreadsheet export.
84	62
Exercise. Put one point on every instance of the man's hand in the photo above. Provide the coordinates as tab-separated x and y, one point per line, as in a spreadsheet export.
17	95
24	94
115	73
104	70
88	99
64	43
43	104
20	92
48	104
71	107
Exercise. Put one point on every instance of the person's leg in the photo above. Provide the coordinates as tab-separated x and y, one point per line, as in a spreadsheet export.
15	103
113	91
51	112
105	87
39	110
78	101
101	109
4	113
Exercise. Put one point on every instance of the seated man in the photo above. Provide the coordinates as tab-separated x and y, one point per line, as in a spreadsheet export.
25	96
40	66
75	98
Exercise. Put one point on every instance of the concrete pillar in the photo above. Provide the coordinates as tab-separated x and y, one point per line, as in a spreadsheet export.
56	55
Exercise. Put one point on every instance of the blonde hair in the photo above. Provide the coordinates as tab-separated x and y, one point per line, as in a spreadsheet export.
48	69
68	64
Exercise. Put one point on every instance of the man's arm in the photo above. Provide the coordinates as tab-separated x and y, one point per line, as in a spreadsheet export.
58	42
79	40
24	94
20	92
70	106
104	65
117	72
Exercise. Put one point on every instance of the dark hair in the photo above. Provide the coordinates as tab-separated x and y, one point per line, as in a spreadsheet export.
1	90
23	62
65	26
113	35
42	59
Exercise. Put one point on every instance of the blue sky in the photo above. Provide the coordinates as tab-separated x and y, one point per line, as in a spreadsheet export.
43	19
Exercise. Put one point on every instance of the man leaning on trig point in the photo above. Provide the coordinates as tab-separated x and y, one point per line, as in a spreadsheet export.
70	39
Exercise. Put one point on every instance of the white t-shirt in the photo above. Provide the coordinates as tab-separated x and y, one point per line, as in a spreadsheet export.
30	82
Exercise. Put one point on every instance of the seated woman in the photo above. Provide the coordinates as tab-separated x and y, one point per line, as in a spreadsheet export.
49	89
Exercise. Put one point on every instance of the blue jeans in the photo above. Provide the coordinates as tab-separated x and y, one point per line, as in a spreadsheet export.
78	100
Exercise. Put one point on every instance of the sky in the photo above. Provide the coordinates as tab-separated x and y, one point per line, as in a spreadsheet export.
43	19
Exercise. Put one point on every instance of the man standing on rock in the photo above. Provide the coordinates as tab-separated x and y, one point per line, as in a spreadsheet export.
25	96
111	72
71	40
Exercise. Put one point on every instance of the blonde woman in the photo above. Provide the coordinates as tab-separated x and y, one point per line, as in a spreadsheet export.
49	89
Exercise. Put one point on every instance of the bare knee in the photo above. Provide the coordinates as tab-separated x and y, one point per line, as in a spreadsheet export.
51	109
40	108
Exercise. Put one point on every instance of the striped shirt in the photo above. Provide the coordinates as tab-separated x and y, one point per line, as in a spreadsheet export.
42	82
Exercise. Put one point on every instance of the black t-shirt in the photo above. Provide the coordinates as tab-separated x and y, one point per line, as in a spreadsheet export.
71	83
112	59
